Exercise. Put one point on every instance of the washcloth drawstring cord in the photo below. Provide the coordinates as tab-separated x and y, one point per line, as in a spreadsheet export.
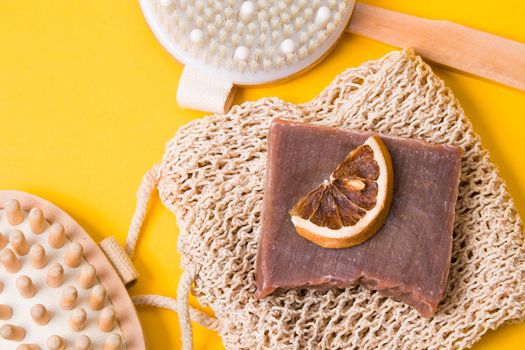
181	304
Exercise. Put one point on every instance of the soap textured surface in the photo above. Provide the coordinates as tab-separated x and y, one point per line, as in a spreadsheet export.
409	257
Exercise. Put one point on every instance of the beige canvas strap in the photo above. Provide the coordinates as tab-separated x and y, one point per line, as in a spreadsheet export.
120	261
204	93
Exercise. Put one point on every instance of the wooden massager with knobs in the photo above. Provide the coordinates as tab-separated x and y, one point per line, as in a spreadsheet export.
58	289
252	42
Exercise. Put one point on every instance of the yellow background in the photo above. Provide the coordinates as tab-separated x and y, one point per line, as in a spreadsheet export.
87	102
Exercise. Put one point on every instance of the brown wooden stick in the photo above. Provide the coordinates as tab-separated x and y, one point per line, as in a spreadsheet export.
483	54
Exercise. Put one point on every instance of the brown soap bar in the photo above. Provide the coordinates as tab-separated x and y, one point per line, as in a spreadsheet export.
408	259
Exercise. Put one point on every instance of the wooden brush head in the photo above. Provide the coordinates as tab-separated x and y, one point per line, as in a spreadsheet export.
59	289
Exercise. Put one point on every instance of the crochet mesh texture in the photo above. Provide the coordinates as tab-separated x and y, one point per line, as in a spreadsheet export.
211	178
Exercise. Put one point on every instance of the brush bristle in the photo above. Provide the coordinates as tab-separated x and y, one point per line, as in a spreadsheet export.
255	24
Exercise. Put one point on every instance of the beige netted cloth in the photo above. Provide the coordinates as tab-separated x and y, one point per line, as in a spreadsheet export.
211	178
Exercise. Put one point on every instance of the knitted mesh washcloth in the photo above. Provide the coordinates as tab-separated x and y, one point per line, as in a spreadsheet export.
211	178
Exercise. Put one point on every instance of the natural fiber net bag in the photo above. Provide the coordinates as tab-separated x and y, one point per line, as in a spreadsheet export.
211	177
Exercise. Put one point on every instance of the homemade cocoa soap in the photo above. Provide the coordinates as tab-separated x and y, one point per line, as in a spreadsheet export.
408	259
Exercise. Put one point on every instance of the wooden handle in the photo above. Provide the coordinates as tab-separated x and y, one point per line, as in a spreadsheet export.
453	45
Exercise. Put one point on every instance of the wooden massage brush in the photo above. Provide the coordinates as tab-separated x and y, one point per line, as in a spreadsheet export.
253	42
58	289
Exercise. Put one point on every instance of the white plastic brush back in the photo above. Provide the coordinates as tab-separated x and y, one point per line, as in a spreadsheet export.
248	42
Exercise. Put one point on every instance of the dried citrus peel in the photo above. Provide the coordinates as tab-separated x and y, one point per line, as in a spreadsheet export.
353	204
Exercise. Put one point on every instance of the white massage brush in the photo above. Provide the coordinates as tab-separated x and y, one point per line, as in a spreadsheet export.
58	290
243	42
250	42
223	43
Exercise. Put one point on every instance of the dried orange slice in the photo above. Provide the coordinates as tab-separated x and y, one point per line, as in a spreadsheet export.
353	204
